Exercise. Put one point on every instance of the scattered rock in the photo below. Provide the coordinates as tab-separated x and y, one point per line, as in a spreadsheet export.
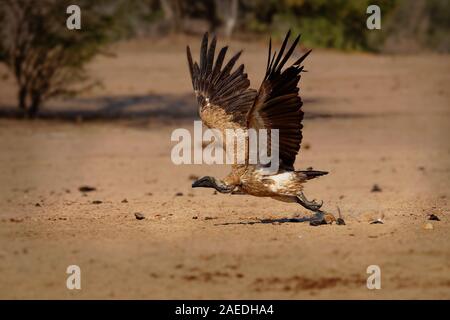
37	204
377	221
306	146
86	189
215	192
194	217
210	218
428	226
16	220
124	201
433	217
376	188
149	194
193	177
309	168
340	221
97	202
139	215
179	194
421	168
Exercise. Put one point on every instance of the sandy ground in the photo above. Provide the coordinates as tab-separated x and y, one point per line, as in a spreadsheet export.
370	120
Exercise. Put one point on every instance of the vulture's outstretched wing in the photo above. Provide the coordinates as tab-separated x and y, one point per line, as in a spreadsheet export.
223	96
278	104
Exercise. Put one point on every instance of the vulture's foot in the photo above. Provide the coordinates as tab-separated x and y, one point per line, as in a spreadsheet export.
310	205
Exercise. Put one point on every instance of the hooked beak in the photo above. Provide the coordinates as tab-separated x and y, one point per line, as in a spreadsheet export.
204	182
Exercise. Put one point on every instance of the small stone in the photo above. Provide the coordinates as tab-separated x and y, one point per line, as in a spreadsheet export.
340	222
124	201
139	216
193	177
194	217
378	221
86	189
433	217
179	194
16	220
97	202
37	204
376	188
428	226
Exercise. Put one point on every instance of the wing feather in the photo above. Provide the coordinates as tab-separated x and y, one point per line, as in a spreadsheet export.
278	103
223	95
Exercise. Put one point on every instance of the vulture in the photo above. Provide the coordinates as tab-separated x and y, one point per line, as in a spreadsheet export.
226	101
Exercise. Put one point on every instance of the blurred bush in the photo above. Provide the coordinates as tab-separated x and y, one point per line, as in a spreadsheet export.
412	26
45	57
407	25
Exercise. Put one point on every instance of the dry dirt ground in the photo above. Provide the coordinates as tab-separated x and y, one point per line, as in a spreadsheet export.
369	120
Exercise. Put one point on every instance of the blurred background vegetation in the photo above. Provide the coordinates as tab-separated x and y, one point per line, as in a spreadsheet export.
47	59
407	25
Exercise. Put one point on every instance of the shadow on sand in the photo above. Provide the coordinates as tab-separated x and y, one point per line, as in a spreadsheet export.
136	107
265	221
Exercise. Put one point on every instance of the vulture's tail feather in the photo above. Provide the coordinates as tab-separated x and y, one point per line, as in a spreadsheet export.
311	174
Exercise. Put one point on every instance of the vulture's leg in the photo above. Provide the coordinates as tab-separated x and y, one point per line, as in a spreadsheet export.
310	205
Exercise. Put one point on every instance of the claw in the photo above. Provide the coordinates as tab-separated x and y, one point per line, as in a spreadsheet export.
310	205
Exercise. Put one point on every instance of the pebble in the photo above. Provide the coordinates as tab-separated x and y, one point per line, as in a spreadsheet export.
433	217
375	188
139	216
428	226
86	189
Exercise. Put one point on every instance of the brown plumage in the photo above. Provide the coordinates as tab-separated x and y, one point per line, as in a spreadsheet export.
226	102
